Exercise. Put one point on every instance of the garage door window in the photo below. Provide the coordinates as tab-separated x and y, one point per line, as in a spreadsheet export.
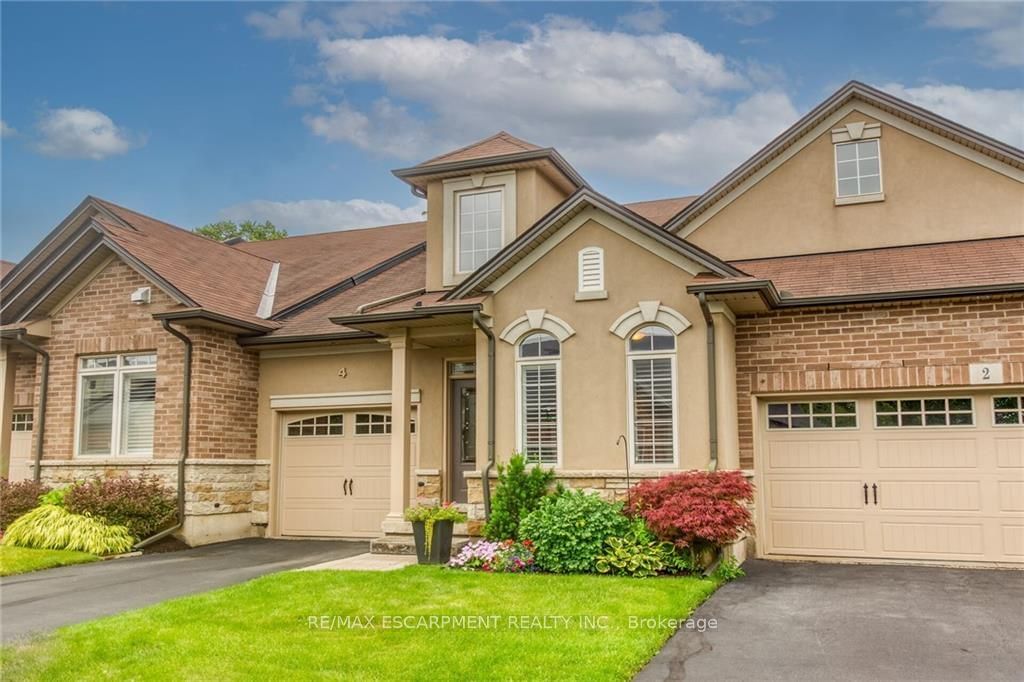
21	420
914	412
1008	410
323	425
839	414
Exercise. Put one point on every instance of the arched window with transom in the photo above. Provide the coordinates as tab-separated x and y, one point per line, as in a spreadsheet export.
538	385
651	352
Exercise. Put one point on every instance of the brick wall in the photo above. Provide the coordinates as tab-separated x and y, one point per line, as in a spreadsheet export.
898	345
24	381
101	319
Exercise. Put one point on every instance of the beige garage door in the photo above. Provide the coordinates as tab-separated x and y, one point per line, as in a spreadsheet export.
334	473
902	476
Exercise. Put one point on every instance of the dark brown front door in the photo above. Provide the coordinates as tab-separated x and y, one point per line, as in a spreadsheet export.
462	452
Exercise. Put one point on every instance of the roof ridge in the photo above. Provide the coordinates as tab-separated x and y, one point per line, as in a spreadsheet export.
654	201
879	248
107	204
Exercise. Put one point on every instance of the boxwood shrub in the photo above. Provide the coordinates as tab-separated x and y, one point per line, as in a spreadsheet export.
569	530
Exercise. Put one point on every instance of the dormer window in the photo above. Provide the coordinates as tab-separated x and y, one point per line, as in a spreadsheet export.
479	218
479	228
858	169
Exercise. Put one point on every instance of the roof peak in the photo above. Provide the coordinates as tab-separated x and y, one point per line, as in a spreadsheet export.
498	144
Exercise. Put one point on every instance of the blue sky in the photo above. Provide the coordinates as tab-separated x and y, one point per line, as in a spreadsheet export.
197	111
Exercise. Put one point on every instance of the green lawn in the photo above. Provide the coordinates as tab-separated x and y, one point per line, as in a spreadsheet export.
21	560
262	630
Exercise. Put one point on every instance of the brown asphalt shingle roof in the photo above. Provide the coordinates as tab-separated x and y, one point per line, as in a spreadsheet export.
981	262
499	144
5	267
658	211
315	262
216	277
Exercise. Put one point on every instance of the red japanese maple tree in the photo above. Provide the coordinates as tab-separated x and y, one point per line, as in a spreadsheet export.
695	507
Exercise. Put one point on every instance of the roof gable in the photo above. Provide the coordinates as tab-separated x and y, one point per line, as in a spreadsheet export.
892	110
499	144
531	241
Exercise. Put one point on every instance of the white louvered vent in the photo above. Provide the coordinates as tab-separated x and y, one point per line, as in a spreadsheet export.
591	269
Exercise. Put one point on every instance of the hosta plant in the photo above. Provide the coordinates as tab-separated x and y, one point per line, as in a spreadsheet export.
639	553
52	527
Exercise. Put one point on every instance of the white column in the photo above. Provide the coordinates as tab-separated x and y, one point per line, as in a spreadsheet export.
6	405
401	411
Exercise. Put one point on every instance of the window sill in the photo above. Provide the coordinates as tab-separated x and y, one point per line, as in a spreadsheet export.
591	295
860	199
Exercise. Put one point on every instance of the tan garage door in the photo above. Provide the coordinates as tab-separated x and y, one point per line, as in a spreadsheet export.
913	477
334	473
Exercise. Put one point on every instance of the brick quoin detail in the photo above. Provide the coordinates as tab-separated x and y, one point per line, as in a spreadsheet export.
896	345
100	319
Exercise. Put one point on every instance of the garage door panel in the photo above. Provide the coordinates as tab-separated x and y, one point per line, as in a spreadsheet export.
943	493
938	540
814	494
1010	452
929	495
928	453
817	536
814	454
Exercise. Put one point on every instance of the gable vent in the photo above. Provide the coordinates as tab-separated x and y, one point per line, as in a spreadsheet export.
591	269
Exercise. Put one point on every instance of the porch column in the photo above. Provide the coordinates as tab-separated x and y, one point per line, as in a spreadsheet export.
401	411
725	384
7	361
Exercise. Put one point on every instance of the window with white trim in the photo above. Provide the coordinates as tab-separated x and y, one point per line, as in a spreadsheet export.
591	269
537	364
479	228
373	423
914	412
858	168
116	405
21	420
1008	410
321	425
833	414
652	393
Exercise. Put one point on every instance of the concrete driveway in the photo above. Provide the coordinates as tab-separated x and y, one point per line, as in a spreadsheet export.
36	602
804	621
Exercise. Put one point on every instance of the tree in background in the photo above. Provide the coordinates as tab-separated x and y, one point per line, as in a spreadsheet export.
248	230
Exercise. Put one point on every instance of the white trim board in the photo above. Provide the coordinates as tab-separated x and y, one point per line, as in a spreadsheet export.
347	399
826	126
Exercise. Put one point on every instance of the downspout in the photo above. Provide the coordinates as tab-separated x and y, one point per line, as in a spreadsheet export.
712	383
186	392
485	479
44	383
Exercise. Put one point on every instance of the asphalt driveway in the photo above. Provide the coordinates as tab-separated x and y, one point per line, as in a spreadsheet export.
35	602
804	621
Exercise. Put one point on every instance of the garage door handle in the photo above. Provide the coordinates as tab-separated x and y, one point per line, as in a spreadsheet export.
344	486
874	490
350	482
865	493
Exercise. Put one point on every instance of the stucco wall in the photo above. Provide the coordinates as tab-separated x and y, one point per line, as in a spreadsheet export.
856	348
931	195
593	361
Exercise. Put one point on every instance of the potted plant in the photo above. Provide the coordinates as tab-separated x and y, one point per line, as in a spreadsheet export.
432	529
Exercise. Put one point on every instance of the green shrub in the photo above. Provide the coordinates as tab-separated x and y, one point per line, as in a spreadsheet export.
569	530
639	553
727	569
17	498
55	496
53	527
143	505
519	492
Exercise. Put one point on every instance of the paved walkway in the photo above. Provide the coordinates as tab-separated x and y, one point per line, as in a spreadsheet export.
365	562
804	621
40	601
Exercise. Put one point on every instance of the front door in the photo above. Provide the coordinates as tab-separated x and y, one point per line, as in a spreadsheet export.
462	451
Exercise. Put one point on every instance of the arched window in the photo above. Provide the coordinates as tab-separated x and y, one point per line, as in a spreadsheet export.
321	425
652	391
539	398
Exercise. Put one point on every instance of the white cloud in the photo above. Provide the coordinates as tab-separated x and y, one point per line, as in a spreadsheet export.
995	113
79	133
323	215
649	19
6	130
746	13
292	20
999	27
637	105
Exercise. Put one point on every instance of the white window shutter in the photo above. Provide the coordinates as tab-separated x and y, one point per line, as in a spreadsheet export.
591	269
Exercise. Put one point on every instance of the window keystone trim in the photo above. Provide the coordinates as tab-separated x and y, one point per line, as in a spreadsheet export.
650	312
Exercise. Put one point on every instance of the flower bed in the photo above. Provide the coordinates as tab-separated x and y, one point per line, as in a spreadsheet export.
507	556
